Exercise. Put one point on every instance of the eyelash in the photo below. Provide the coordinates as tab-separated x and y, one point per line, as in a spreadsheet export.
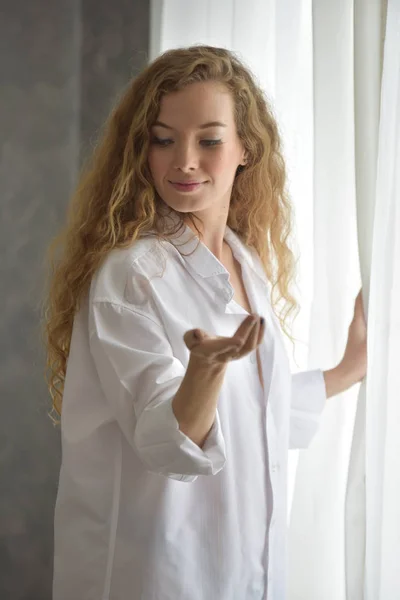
166	142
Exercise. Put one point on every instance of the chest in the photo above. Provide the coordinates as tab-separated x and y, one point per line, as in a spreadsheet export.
241	297
236	281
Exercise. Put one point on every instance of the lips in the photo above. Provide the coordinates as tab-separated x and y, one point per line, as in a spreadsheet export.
186	186
186	182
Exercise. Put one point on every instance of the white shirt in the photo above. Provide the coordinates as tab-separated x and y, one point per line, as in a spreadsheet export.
142	512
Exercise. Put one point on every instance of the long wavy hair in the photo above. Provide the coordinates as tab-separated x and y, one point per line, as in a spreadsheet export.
115	201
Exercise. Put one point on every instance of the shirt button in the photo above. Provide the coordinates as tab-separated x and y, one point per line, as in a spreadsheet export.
275	467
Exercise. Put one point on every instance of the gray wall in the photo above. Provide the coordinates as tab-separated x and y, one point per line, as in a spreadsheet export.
62	62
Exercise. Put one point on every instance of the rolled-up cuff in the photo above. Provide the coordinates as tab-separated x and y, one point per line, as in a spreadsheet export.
307	404
166	450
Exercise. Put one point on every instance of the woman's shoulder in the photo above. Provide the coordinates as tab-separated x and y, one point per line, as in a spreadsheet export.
128	268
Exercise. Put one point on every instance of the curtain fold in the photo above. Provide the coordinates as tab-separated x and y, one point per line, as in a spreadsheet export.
368	60
316	533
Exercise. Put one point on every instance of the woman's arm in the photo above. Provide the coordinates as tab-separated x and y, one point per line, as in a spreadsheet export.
140	377
195	403
353	366
338	380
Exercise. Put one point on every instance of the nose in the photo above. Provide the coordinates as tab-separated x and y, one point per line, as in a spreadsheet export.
185	158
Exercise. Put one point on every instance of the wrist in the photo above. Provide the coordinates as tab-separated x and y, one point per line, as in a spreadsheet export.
338	380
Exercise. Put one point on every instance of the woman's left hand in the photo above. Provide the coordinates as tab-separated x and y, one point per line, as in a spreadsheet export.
354	362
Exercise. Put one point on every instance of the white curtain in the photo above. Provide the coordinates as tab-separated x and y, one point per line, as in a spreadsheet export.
368	21
317	534
380	413
320	64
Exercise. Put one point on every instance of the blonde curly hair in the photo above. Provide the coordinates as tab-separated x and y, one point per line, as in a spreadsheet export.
115	202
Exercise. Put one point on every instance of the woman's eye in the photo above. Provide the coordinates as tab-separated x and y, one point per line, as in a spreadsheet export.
167	141
211	142
161	142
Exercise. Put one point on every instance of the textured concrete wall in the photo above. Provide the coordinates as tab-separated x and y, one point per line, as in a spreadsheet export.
62	63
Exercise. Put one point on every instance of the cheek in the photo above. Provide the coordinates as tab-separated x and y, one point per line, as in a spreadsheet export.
222	162
156	164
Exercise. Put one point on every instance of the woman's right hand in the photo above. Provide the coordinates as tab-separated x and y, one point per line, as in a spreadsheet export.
221	350
195	402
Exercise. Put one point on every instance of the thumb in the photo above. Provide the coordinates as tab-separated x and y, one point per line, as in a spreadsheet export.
194	337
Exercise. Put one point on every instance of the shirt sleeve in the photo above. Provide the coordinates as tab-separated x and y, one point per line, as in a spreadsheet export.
140	377
307	403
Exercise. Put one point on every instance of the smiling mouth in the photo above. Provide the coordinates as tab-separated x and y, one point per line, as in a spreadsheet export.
187	186
187	182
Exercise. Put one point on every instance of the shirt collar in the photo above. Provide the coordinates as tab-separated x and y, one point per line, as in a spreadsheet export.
206	265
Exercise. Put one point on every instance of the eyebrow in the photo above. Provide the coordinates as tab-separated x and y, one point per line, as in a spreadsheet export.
204	126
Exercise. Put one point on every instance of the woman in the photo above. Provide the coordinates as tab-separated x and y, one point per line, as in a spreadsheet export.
175	439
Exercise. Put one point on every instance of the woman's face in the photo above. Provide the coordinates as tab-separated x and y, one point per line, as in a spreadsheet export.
194	148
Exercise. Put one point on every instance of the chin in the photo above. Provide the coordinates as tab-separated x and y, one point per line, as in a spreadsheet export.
186	205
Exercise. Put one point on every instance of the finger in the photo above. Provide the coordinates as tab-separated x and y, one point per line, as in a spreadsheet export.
217	348
361	302
248	340
222	345
255	336
245	325
228	356
261	331
199	343
252	338
214	346
359	306
194	337
245	328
